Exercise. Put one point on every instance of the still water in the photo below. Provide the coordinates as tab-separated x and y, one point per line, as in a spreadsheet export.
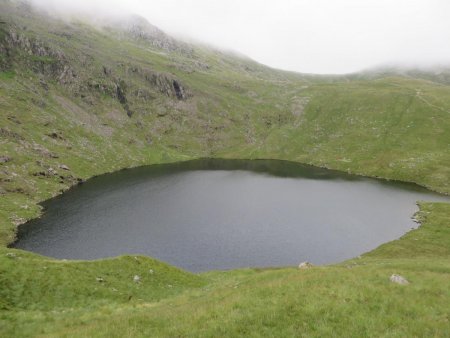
222	214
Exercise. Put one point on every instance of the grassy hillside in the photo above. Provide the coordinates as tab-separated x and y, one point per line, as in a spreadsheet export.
78	101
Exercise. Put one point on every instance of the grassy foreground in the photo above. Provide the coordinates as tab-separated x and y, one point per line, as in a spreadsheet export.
351	299
76	101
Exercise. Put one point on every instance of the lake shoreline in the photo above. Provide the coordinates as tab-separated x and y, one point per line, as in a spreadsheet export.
273	168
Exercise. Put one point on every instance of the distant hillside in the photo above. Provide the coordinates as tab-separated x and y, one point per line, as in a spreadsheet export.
438	74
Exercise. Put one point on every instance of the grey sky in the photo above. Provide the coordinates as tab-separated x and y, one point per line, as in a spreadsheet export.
314	36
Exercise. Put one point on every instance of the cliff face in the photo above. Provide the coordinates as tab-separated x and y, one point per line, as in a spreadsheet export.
140	29
49	62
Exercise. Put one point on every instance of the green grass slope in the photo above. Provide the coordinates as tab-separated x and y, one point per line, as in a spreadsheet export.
78	101
393	128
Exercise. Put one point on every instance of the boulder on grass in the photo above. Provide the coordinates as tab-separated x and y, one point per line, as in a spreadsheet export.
398	279
305	265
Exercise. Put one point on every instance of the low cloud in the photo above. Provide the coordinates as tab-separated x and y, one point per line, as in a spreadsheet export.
320	36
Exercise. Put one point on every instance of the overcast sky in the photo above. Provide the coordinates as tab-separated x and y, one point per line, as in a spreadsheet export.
312	36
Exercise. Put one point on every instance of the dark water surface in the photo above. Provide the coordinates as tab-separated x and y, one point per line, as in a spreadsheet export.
221	214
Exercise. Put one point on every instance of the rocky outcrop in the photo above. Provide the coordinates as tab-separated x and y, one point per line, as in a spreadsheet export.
140	29
121	96
113	87
4	51
305	265
398	279
40	57
167	84
5	159
190	67
67	76
11	135
22	47
31	46
126	92
120	92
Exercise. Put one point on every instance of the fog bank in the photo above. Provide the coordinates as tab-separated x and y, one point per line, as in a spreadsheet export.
312	36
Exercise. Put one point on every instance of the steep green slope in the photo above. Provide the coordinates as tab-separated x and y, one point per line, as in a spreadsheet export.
78	101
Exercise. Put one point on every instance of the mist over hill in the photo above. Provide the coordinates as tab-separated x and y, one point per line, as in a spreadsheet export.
323	37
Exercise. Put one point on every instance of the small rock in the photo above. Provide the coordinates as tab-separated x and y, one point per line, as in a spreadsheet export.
11	255
106	70
64	167
5	159
18	221
43	84
398	279
99	279
151	271
14	119
40	173
53	135
52	171
305	265
136	279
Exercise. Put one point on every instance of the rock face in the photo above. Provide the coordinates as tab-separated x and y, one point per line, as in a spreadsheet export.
127	93
305	265
398	279
52	65
44	60
167	84
179	90
41	58
140	29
